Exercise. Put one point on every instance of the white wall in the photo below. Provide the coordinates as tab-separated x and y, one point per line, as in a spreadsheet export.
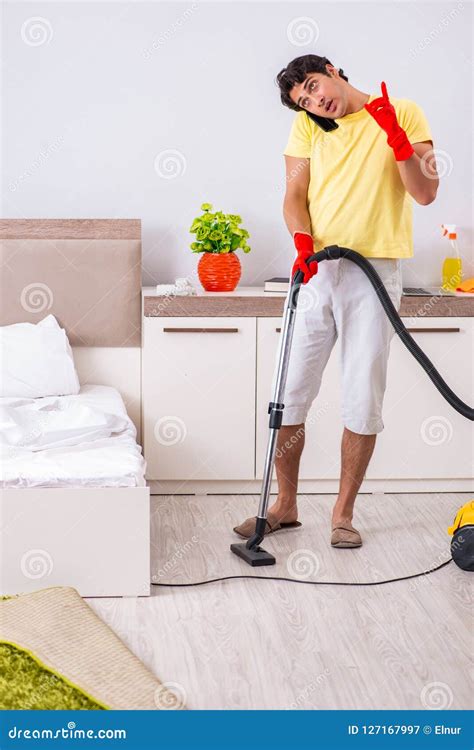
86	112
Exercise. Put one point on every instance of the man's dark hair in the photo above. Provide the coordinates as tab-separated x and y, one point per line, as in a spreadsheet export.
296	72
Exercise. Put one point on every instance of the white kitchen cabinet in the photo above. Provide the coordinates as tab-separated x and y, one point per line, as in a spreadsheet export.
424	437
198	378
207	382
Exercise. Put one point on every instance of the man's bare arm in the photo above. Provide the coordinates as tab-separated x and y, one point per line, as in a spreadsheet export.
419	173
295	204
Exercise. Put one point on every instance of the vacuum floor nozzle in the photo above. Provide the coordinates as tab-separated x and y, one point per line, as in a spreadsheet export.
253	556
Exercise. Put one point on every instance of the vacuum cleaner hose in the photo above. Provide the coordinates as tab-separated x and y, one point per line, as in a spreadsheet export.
334	252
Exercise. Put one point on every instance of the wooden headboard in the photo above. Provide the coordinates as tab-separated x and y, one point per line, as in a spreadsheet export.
87	273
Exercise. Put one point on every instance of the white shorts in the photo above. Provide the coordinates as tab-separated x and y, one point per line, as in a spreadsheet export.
339	301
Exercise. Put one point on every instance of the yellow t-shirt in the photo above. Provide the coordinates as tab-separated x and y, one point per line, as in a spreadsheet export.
356	197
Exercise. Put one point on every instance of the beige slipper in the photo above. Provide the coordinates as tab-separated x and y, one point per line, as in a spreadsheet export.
247	528
345	536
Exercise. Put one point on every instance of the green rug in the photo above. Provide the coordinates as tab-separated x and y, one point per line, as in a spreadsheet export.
25	683
56	653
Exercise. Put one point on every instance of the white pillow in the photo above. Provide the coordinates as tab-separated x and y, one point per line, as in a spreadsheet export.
36	360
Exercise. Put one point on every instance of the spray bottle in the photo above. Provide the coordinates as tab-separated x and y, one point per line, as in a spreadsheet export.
452	266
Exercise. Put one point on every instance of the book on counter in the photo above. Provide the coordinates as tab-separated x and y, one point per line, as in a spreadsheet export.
277	284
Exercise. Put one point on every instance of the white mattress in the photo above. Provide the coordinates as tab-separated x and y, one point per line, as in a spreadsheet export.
86	440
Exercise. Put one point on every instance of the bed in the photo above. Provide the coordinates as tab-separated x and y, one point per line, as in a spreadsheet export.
83	440
74	505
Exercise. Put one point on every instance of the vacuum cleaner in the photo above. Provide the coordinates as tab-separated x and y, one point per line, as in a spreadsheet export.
251	550
462	531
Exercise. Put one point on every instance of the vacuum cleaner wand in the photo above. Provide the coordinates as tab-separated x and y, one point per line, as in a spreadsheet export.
251	551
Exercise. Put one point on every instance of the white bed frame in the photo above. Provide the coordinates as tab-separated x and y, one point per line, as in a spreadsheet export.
96	540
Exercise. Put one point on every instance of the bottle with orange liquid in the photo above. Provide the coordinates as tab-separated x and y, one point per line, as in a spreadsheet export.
452	266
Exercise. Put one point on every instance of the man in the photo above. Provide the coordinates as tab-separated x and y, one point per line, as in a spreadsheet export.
351	186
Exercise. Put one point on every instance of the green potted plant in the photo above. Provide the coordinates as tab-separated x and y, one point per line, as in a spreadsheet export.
218	236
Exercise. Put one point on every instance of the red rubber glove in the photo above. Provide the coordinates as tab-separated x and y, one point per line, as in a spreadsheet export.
384	115
304	247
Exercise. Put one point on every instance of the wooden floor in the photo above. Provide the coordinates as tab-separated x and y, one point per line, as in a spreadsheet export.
257	644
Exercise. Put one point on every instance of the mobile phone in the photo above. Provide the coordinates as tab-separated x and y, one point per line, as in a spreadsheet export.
325	123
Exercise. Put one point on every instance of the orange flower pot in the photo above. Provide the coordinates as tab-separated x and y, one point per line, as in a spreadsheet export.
219	272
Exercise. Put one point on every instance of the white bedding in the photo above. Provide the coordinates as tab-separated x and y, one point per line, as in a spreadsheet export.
83	440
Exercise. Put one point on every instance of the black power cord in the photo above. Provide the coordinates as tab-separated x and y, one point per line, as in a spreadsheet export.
314	583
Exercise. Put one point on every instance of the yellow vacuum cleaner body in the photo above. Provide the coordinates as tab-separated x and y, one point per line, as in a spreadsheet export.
462	531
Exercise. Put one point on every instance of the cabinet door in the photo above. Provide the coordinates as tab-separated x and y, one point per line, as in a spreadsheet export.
323	426
199	397
424	437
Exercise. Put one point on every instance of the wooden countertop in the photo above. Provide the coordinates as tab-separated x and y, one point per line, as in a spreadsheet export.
253	302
